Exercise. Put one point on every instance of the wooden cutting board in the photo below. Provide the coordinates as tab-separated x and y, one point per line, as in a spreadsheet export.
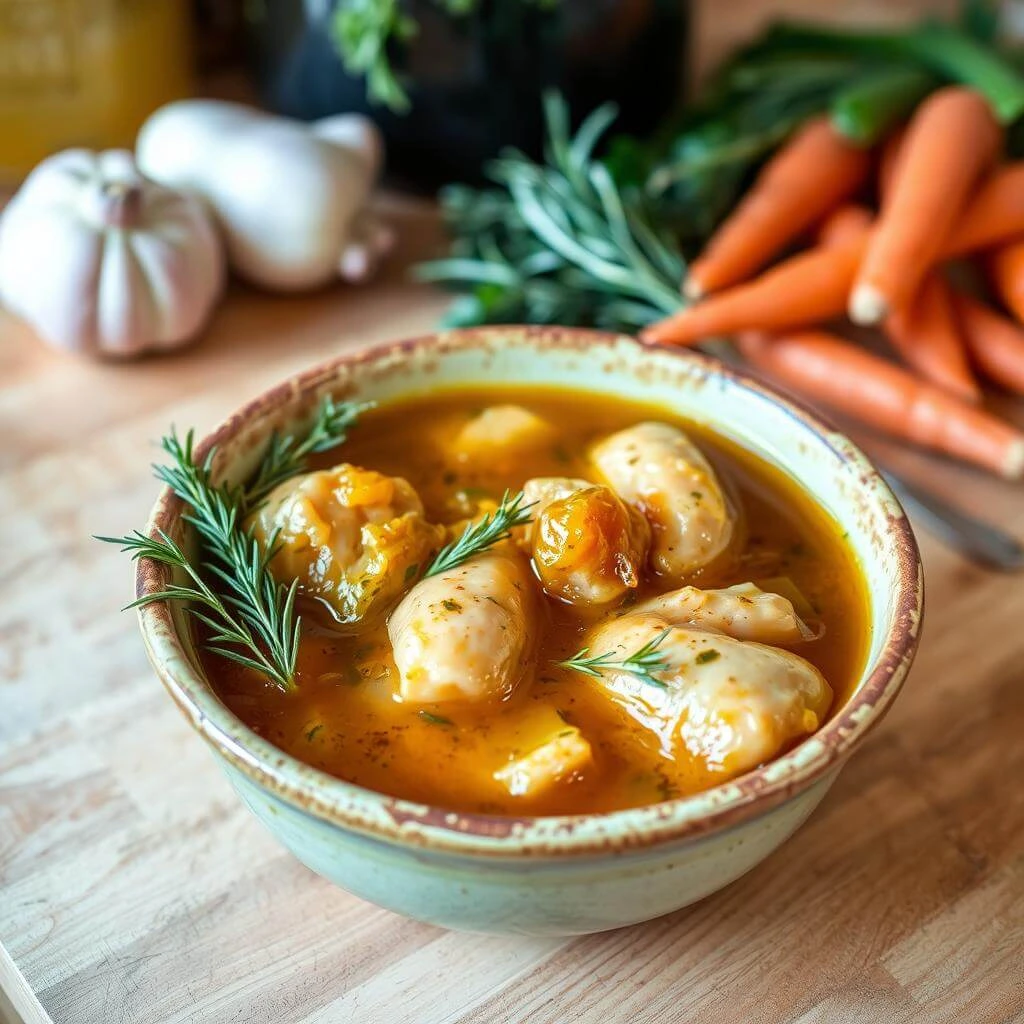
134	886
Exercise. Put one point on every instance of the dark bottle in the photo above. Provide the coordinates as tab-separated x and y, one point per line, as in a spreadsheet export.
475	81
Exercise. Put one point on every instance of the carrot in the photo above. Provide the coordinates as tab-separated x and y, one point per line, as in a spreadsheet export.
1005	268
887	162
926	334
808	287
815	171
849	380
994	214
951	141
996	343
925	331
850	221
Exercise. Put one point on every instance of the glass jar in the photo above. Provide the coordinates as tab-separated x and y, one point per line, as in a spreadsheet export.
85	73
475	81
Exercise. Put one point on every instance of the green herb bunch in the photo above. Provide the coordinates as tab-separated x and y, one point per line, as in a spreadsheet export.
558	242
250	617
483	534
646	663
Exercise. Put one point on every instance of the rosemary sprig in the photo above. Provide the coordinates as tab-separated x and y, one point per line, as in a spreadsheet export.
253	622
559	241
484	533
231	632
286	455
642	663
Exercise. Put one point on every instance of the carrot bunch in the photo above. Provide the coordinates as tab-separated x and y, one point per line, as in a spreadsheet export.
942	195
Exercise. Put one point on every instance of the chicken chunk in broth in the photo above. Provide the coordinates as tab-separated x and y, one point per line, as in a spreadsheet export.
656	467
348	535
588	546
730	703
507	681
466	634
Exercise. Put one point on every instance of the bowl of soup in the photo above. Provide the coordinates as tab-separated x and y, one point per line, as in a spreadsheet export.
616	706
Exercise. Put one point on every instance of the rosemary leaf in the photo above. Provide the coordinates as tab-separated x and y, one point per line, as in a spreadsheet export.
484	533
253	621
557	242
643	663
286	456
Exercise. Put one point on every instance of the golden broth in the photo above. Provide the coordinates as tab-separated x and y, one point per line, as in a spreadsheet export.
344	719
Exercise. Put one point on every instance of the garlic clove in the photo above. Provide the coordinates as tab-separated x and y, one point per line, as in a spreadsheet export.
357	134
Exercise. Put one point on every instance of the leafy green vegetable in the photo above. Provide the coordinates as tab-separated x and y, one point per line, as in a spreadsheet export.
867	110
362	31
942	49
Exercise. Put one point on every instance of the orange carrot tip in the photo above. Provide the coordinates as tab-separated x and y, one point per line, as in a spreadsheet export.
868	305
692	288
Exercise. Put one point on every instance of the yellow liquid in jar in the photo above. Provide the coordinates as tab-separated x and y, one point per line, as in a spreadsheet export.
85	73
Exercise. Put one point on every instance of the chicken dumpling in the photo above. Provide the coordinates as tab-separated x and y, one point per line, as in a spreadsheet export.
466	634
743	611
558	760
540	491
589	547
350	536
502	430
659	470
731	704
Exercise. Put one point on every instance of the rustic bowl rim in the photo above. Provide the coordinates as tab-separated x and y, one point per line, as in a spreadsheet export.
391	819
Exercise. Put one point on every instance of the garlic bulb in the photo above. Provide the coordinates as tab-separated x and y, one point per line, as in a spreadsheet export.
101	261
290	197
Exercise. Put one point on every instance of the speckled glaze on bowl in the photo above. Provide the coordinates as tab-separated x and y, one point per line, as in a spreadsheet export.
572	874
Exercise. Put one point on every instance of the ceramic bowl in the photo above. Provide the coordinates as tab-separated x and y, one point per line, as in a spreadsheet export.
571	874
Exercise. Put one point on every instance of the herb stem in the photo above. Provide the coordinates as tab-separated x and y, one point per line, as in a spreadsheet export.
253	622
644	663
483	534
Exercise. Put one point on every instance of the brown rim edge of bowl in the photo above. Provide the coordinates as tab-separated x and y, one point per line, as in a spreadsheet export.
471	834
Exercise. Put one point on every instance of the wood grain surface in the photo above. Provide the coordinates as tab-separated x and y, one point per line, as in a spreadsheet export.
134	886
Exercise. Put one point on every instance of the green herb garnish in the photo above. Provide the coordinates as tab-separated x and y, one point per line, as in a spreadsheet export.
484	533
429	716
642	663
286	455
253	622
708	656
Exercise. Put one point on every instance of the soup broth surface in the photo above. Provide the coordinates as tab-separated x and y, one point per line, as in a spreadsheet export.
344	716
